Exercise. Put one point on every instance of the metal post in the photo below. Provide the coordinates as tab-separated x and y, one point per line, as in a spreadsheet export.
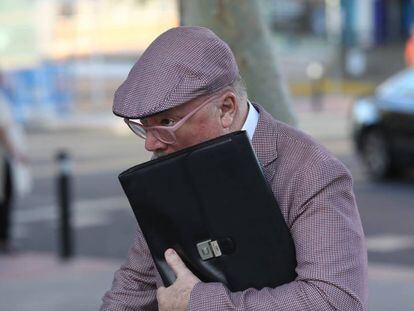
64	199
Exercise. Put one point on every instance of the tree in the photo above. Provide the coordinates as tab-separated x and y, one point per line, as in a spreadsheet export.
241	23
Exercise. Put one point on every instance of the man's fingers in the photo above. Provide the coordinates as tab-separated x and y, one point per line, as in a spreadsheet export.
175	262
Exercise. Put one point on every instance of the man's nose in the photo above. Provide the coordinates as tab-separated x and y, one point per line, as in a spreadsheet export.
153	144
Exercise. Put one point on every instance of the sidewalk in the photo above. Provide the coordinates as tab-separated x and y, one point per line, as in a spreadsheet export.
39	281
391	287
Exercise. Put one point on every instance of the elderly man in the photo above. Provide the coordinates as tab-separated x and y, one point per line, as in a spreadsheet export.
186	89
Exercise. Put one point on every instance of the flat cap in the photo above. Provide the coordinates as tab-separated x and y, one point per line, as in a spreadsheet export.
181	64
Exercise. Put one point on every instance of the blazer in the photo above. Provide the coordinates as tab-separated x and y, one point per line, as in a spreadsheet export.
314	192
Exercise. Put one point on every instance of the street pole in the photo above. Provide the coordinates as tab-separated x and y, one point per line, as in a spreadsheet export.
64	180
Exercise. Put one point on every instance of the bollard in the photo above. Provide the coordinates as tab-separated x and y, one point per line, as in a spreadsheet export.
64	199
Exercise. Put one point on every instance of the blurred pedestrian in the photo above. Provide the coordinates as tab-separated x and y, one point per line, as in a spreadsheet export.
12	157
186	89
409	49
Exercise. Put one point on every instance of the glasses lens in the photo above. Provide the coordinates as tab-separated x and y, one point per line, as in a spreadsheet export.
137	129
165	135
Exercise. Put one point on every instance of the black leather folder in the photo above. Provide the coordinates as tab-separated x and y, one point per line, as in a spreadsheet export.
211	203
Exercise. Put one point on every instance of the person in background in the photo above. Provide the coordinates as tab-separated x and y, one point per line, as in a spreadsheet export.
409	49
12	156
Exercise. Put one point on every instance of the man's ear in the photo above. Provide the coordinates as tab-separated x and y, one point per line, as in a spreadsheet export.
228	109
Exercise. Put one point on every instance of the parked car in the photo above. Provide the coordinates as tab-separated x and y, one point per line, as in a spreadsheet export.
383	126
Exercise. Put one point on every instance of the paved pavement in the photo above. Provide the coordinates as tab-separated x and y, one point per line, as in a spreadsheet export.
37	280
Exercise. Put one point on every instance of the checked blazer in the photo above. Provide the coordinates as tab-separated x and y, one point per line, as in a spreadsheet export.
315	195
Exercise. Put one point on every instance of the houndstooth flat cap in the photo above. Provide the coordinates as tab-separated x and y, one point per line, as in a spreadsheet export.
180	65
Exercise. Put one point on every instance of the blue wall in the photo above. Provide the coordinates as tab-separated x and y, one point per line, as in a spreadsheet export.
44	89
383	30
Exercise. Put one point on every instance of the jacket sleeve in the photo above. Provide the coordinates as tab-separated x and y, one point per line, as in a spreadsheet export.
330	250
134	284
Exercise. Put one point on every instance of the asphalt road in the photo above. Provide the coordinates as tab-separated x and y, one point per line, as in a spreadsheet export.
103	224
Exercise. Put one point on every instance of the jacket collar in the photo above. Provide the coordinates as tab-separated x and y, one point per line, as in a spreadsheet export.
264	139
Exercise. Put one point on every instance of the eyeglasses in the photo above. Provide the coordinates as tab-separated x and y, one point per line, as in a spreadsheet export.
166	134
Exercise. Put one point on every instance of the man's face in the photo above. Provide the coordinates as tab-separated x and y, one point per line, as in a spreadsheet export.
210	121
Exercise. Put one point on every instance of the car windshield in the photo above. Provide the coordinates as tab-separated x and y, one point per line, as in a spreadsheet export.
398	87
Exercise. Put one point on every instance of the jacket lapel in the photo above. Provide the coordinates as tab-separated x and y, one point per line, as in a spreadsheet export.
264	142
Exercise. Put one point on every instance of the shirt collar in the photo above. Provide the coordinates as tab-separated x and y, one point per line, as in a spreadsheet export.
251	121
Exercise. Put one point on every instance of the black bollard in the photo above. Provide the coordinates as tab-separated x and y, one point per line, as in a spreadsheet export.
64	199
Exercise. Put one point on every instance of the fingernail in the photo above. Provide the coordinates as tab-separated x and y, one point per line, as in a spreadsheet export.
170	252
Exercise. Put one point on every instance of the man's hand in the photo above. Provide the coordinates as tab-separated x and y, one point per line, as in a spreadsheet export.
176	296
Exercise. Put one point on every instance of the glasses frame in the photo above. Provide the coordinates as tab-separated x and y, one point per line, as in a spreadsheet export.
141	130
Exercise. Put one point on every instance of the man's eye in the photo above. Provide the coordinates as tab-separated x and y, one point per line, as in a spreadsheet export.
167	122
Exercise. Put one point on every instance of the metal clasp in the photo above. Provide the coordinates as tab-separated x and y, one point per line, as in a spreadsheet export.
209	249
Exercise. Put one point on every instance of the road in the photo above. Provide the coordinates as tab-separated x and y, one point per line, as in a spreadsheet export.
387	207
104	224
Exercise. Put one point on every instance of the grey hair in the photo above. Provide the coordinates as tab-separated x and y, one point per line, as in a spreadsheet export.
239	87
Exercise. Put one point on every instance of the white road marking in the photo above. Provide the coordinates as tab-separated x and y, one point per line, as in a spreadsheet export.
86	213
93	212
388	243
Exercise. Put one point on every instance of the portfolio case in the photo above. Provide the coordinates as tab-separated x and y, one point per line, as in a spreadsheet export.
212	204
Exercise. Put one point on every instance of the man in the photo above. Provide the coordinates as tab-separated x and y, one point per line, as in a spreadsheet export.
12	156
186	89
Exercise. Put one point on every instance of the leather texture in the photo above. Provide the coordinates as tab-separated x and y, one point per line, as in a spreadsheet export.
222	196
